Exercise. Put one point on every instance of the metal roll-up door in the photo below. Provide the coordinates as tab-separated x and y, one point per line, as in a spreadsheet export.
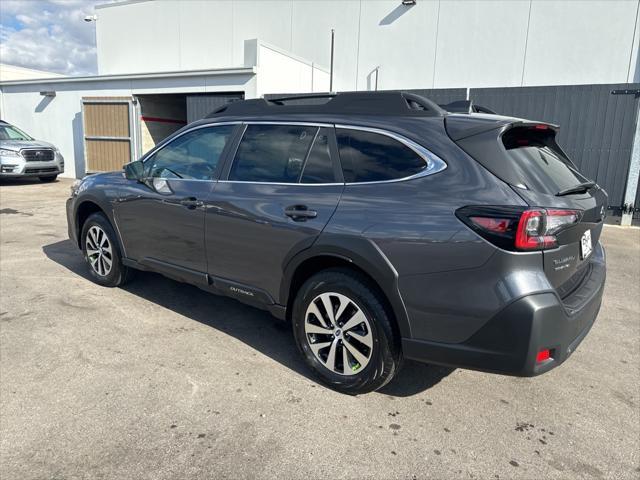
199	106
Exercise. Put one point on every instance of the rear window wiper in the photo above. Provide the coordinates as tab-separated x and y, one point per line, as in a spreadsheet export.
580	188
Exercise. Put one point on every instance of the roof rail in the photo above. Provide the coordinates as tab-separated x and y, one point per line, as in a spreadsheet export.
350	103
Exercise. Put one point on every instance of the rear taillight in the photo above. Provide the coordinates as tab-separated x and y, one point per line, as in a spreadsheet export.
514	228
536	228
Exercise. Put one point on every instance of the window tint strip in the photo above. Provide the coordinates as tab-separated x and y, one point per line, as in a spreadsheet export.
319	166
306	159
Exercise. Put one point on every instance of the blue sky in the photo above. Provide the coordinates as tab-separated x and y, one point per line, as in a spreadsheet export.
49	35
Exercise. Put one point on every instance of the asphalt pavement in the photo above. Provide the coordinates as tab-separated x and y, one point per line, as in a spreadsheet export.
160	380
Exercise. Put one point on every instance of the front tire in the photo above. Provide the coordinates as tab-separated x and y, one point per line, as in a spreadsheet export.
102	252
345	333
48	178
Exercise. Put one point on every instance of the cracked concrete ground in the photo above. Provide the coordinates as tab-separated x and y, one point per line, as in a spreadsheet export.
160	380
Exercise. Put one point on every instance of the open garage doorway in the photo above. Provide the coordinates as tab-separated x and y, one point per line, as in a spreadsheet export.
160	115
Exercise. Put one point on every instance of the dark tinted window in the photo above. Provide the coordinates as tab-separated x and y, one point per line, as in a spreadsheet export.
272	153
194	155
537	162
318	167
372	157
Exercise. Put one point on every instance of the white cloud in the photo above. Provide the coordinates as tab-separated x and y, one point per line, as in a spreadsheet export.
49	35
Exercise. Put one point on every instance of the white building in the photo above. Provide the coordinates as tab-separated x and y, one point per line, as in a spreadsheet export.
167	60
13	72
432	44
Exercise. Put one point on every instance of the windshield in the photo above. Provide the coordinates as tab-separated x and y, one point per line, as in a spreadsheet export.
8	132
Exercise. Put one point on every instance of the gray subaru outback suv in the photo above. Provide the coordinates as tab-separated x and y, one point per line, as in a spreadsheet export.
23	156
379	225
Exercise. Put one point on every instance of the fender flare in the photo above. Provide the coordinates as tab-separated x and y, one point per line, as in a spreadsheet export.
364	254
106	208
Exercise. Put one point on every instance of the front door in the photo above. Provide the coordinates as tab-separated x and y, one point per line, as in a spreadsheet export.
161	220
282	188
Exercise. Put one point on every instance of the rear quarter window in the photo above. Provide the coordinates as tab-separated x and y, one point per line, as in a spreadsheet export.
373	157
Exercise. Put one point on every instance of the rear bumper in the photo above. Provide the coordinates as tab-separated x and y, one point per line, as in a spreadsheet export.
510	341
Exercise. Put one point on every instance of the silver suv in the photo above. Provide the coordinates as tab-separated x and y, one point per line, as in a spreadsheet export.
23	156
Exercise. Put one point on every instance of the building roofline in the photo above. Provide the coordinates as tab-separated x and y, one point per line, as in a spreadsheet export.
135	76
117	4
4	65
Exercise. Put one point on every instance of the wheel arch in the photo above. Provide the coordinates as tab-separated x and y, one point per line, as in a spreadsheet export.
358	254
87	207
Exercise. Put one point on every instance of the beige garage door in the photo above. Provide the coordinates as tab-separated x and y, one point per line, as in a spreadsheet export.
108	132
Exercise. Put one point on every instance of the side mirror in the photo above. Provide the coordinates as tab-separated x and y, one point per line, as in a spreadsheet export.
134	170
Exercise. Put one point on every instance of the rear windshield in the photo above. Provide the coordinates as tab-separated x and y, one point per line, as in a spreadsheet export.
526	157
538	161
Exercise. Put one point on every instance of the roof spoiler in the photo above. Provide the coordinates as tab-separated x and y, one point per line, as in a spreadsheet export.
461	126
466	106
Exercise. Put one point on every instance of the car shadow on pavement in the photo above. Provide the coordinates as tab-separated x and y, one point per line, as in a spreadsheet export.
256	328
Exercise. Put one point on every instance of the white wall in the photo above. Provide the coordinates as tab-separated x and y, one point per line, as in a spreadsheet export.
280	72
59	120
481	45
444	43
580	39
13	72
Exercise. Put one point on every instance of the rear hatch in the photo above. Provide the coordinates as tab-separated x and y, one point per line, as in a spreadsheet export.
526	156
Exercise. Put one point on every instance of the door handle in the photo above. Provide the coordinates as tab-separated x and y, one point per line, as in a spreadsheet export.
191	203
300	213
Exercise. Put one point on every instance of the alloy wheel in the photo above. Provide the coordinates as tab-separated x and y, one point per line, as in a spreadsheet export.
338	333
99	251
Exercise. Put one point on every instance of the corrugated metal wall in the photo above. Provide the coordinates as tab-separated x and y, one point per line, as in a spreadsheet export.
199	106
442	96
596	127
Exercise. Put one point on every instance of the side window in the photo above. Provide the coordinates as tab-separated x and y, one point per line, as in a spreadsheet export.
318	167
373	157
272	153
194	155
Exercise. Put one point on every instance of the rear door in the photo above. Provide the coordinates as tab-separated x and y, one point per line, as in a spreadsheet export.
278	193
529	159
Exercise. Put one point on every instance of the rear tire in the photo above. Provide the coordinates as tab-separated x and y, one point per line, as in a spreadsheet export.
48	178
357	352
102	252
